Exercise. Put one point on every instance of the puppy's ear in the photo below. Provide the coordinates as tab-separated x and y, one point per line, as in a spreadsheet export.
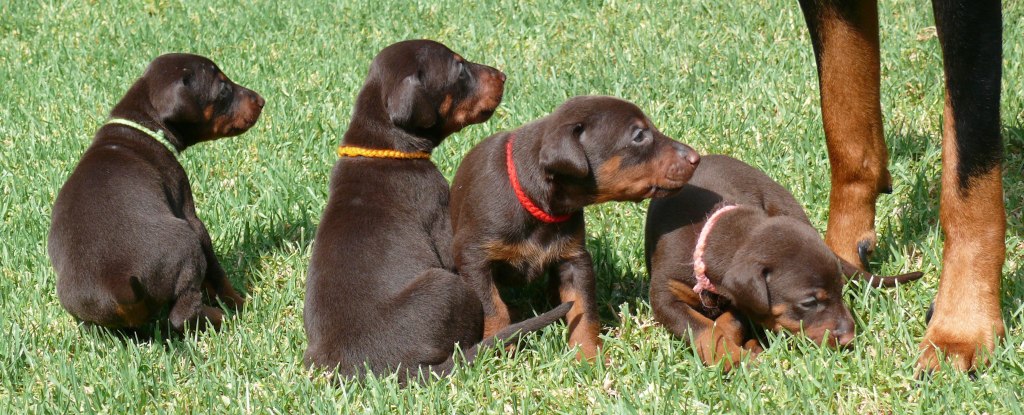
562	153
746	285
408	105
172	102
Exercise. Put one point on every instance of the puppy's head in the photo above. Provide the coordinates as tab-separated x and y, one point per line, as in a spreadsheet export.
612	143
785	278
191	95
430	91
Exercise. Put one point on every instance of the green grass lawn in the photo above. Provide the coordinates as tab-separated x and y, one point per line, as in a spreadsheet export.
725	77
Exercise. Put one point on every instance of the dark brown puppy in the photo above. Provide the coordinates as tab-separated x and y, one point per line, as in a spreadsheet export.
382	293
763	258
125	239
590	150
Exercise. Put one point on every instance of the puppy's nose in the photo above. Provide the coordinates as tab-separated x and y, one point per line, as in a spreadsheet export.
501	75
688	154
259	100
844	332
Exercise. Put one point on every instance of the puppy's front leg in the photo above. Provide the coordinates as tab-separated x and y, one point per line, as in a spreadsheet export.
576	283
476	271
719	340
723	342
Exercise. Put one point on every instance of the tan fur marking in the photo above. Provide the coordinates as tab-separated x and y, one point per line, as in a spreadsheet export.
446	106
684	293
967	318
723	342
633	183
132	315
471	110
500	319
583	328
529	254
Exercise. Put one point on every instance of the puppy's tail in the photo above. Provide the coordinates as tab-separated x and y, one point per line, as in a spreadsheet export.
877	281
508	336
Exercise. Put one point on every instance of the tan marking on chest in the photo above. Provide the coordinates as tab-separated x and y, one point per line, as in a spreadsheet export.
530	254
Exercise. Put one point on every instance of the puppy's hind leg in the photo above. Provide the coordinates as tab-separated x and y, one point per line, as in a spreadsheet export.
217	287
188	309
433	313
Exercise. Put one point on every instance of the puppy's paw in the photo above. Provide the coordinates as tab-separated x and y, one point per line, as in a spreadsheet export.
716	347
232	300
588	349
753	347
212	318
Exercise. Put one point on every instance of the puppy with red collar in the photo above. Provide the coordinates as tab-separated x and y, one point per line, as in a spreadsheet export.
518	199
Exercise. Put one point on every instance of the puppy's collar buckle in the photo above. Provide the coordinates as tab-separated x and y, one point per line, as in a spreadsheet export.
156	135
352	151
524	200
699	267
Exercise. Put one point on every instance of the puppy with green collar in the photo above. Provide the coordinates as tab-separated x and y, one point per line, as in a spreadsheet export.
125	240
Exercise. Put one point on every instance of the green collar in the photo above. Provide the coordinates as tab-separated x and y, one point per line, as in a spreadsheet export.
157	135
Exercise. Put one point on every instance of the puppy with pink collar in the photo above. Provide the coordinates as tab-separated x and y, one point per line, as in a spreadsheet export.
734	247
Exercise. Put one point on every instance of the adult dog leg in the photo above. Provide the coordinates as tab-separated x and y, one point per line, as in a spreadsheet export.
967	319
845	39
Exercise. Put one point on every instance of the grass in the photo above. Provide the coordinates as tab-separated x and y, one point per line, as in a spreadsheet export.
722	77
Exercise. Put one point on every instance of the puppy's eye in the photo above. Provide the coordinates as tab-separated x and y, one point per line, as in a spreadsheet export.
640	135
225	91
808	303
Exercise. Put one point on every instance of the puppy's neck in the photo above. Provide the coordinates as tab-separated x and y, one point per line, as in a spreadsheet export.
136	106
730	232
371	127
556	196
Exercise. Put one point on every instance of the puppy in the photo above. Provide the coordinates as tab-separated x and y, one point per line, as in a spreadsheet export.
735	243
125	239
382	293
518	198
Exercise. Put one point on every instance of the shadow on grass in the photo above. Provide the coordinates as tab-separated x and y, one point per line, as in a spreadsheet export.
243	260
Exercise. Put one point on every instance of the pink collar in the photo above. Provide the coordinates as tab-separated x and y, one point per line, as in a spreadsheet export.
699	267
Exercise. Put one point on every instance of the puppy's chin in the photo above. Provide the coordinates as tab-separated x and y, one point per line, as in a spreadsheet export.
659	191
239	124
477	117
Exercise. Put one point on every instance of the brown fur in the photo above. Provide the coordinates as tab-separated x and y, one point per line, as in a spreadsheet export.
125	239
590	150
407	311
766	261
845	38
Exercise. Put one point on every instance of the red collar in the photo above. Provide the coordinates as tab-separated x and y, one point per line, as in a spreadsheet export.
524	200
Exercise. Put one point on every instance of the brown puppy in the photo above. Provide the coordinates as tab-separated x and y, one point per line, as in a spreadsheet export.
761	259
125	239
382	293
518	198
